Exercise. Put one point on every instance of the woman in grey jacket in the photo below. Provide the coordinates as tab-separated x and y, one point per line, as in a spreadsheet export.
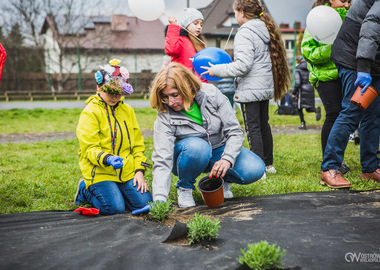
261	72
196	131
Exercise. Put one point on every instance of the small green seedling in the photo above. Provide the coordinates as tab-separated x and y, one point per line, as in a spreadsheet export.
160	210
261	255
201	227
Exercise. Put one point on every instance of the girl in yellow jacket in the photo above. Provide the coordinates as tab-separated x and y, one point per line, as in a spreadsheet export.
111	154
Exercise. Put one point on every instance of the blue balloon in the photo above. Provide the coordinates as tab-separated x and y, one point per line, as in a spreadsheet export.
214	56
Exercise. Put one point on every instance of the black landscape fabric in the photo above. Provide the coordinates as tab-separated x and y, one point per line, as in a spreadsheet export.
322	230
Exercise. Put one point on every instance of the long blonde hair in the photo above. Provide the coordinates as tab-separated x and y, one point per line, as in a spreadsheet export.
280	70
176	76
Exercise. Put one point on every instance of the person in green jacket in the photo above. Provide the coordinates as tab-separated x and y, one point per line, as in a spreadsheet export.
324	74
111	154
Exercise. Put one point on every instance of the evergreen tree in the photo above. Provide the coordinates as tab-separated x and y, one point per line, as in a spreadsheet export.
15	39
2	37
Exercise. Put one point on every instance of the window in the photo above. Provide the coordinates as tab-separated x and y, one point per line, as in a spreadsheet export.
289	44
230	21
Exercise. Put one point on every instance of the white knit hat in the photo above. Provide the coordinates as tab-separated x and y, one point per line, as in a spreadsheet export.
189	15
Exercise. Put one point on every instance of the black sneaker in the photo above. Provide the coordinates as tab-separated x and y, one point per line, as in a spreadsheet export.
344	168
318	114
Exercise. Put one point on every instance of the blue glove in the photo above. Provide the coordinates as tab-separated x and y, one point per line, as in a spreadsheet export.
115	161
363	80
146	208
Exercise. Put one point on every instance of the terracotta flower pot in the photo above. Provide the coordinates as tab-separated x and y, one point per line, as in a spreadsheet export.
212	191
363	101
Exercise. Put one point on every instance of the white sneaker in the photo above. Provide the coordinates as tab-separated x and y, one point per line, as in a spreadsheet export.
264	176
351	138
185	197
270	169
227	191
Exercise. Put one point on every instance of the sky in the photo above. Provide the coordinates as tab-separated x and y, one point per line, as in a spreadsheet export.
283	11
289	11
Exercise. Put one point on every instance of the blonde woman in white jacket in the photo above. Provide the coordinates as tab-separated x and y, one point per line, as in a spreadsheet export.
196	131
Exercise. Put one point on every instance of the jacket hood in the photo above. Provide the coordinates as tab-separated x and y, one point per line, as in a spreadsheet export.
303	65
95	99
182	32
258	27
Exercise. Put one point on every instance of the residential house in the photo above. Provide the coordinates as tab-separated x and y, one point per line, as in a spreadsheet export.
138	44
90	42
220	20
79	45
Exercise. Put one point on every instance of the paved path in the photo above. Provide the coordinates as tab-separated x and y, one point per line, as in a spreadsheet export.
31	137
135	103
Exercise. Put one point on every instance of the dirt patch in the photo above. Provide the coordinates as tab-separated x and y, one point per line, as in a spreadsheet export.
179	218
241	211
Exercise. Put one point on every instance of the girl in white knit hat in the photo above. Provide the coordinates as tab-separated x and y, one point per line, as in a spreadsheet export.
184	39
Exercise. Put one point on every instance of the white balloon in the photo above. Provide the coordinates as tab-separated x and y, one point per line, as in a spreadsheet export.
147	10
323	24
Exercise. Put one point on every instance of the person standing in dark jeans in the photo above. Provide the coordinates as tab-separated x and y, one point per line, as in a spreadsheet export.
304	92
356	53
324	74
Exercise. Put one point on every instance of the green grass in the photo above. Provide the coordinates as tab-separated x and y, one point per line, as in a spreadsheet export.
44	175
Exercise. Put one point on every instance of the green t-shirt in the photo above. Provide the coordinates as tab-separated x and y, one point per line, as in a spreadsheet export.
194	113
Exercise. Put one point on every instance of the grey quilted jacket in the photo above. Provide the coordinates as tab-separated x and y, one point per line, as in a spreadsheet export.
252	63
220	127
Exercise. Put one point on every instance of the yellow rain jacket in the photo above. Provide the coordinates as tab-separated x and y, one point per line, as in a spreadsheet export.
95	131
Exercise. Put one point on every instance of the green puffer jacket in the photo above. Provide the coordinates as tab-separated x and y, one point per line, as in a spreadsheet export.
317	55
94	135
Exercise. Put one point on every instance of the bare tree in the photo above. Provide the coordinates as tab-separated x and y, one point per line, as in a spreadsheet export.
66	21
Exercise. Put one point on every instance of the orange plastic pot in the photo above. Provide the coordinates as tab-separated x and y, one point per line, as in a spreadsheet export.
212	191
363	101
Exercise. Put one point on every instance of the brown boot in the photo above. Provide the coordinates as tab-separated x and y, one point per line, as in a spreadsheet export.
333	179
373	175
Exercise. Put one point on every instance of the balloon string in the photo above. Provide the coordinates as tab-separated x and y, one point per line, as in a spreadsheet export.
225	45
192	35
187	31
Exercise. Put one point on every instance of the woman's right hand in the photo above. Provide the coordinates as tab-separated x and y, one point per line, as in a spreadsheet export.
172	20
220	168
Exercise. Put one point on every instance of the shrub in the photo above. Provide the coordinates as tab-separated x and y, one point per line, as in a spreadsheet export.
261	255
160	210
201	227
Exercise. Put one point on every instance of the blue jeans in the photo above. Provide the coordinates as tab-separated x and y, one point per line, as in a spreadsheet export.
348	121
193	156
113	198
